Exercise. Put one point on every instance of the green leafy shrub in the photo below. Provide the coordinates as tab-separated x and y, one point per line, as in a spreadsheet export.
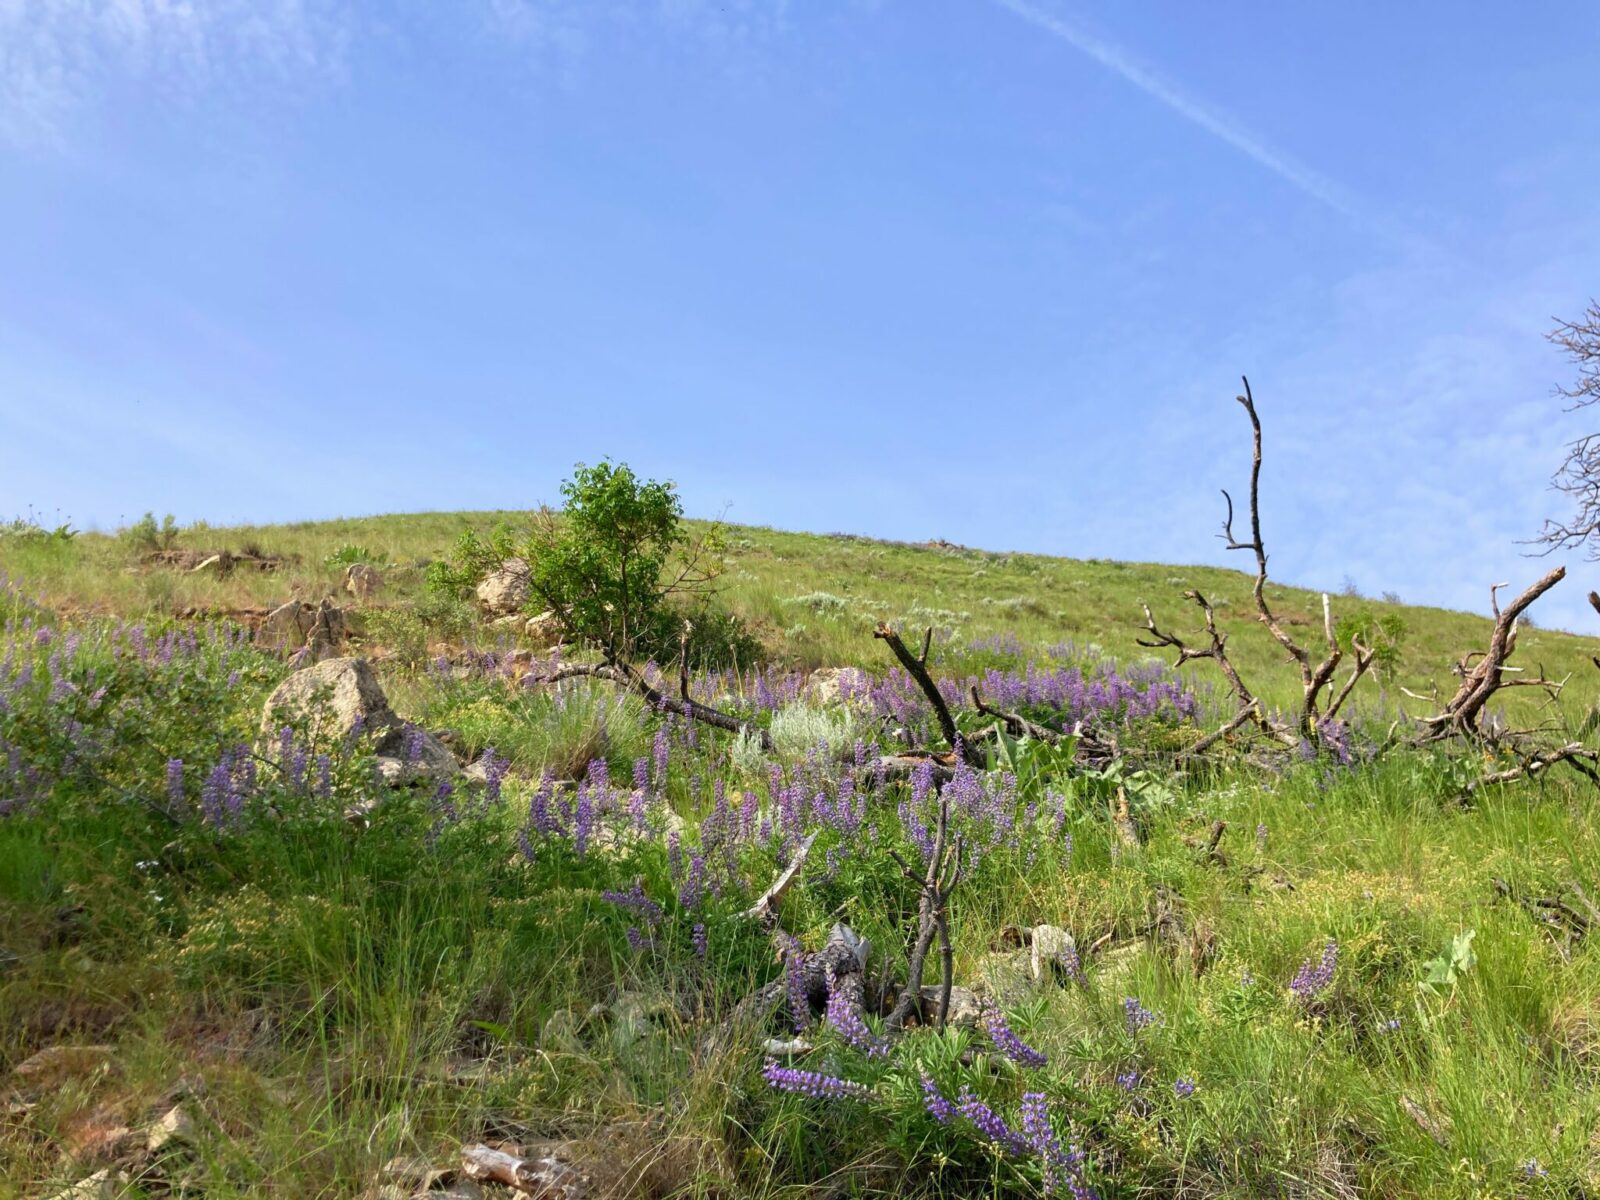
1384	634
349	554
145	535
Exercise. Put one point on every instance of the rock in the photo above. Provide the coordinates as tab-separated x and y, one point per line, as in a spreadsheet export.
174	1127
340	696
505	590
1008	975
333	699
509	621
544	630
56	1064
362	581
964	1006
1049	945
287	625
829	684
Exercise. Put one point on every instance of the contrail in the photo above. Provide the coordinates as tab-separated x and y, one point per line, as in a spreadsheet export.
1108	55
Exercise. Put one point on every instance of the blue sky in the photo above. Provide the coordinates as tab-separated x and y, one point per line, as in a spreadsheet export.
985	270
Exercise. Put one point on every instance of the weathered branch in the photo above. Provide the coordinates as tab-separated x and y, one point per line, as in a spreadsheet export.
1481	680
1250	709
633	679
917	667
936	883
547	1177
765	909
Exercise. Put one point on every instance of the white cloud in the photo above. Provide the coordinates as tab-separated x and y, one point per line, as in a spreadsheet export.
58	58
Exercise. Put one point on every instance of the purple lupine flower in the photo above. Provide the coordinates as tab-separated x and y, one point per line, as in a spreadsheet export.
413	748
697	936
175	782
1310	980
1061	1164
324	777
1392	1025
1183	1088
1072	964
794	984
214	796
989	1124
1007	1042
1137	1016
939	1107
845	1016
637	939
1127	1080
494	774
1533	1170
812	1083
635	901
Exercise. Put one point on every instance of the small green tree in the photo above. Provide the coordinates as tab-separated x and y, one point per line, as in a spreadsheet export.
1383	634
614	559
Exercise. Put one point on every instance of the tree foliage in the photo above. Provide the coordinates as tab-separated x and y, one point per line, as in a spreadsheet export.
615	558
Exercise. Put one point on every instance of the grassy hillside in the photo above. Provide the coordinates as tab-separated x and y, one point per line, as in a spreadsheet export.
1357	984
813	598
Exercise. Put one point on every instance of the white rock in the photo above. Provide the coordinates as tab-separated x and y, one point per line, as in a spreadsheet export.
828	684
505	590
176	1125
544	630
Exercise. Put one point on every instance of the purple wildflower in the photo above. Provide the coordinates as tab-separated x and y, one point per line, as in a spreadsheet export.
845	1016
175	782
812	1083
939	1107
1007	1042
990	1125
635	901
1312	980
698	936
1128	1080
1137	1016
1183	1088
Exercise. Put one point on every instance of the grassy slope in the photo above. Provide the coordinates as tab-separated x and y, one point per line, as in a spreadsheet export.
1042	600
309	1100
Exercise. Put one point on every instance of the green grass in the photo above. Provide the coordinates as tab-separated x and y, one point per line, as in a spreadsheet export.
325	997
813	598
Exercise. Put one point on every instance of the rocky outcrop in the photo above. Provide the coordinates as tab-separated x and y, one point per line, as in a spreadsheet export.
362	581
505	590
286	626
340	698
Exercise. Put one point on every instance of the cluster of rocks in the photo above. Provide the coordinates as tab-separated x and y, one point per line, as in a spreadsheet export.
503	595
144	1152
340	698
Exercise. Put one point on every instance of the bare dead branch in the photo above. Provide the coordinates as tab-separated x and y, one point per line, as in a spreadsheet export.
631	678
936	883
917	667
545	1177
765	909
1482	679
